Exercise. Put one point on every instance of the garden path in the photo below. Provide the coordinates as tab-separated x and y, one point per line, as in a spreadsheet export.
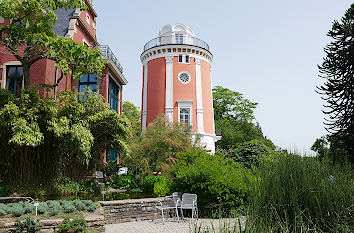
185	226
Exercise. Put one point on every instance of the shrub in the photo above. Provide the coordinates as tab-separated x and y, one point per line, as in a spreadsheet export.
68	206
3	209
29	208
148	182
28	226
77	224
42	208
163	187
218	181
111	168
54	207
90	207
295	193
79	205
124	181
156	149
16	209
248	154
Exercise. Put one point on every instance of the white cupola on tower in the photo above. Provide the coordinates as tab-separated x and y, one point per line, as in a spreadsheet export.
177	34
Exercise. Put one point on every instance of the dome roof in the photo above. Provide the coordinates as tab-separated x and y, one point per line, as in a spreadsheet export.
178	28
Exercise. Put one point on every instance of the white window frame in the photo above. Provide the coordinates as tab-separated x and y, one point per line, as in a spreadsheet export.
184	61
88	18
190	77
10	63
186	104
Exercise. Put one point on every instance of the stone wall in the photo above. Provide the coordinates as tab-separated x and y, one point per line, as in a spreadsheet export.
133	210
95	222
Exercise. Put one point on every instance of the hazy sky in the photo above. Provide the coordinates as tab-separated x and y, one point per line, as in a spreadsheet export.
266	49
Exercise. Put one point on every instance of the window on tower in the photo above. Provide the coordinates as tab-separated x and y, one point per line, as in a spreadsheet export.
187	58
184	116
179	38
180	58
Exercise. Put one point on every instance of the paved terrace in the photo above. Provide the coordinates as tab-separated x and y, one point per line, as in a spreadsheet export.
184	226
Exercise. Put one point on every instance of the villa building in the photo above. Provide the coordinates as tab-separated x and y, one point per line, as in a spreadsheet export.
79	26
177	81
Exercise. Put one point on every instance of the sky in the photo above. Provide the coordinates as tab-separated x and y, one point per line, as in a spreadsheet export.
268	50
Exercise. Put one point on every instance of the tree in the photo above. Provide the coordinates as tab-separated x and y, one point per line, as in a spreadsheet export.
133	114
156	149
321	147
231	105
233	115
30	37
43	138
338	90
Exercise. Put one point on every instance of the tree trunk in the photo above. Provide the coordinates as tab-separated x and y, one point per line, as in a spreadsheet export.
26	75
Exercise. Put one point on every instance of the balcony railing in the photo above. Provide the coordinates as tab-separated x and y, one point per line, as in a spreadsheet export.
165	40
109	55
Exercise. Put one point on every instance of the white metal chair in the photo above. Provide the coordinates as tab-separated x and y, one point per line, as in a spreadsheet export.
168	204
189	202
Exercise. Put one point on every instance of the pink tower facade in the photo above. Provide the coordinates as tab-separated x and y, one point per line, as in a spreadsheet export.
177	82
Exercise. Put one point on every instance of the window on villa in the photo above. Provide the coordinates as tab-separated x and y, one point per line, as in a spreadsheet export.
184	116
179	38
111	155
113	95
88	81
187	58
14	79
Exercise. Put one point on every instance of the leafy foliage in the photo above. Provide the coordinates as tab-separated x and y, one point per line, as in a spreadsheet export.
133	114
30	37
321	147
292	192
28	226
77	225
219	182
337	69
156	149
111	168
233	115
231	105
124	181
163	187
44	138
249	154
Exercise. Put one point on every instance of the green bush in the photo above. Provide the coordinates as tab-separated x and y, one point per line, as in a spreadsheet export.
249	154
295	193
123	181
68	206
29	208
148	182
79	205
90	207
28	226
54	207
111	168
42	208
219	182
16	209
3	209
163	187
77	224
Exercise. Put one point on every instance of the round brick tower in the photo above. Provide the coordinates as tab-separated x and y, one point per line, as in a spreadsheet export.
177	81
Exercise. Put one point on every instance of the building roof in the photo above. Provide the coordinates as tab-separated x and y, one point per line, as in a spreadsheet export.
62	24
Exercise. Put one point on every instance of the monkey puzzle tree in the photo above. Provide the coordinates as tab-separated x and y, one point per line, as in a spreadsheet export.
338	90
30	37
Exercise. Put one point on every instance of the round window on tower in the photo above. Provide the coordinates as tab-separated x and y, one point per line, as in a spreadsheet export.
184	77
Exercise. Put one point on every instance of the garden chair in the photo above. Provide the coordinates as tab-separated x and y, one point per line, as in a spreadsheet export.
189	202
168	204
